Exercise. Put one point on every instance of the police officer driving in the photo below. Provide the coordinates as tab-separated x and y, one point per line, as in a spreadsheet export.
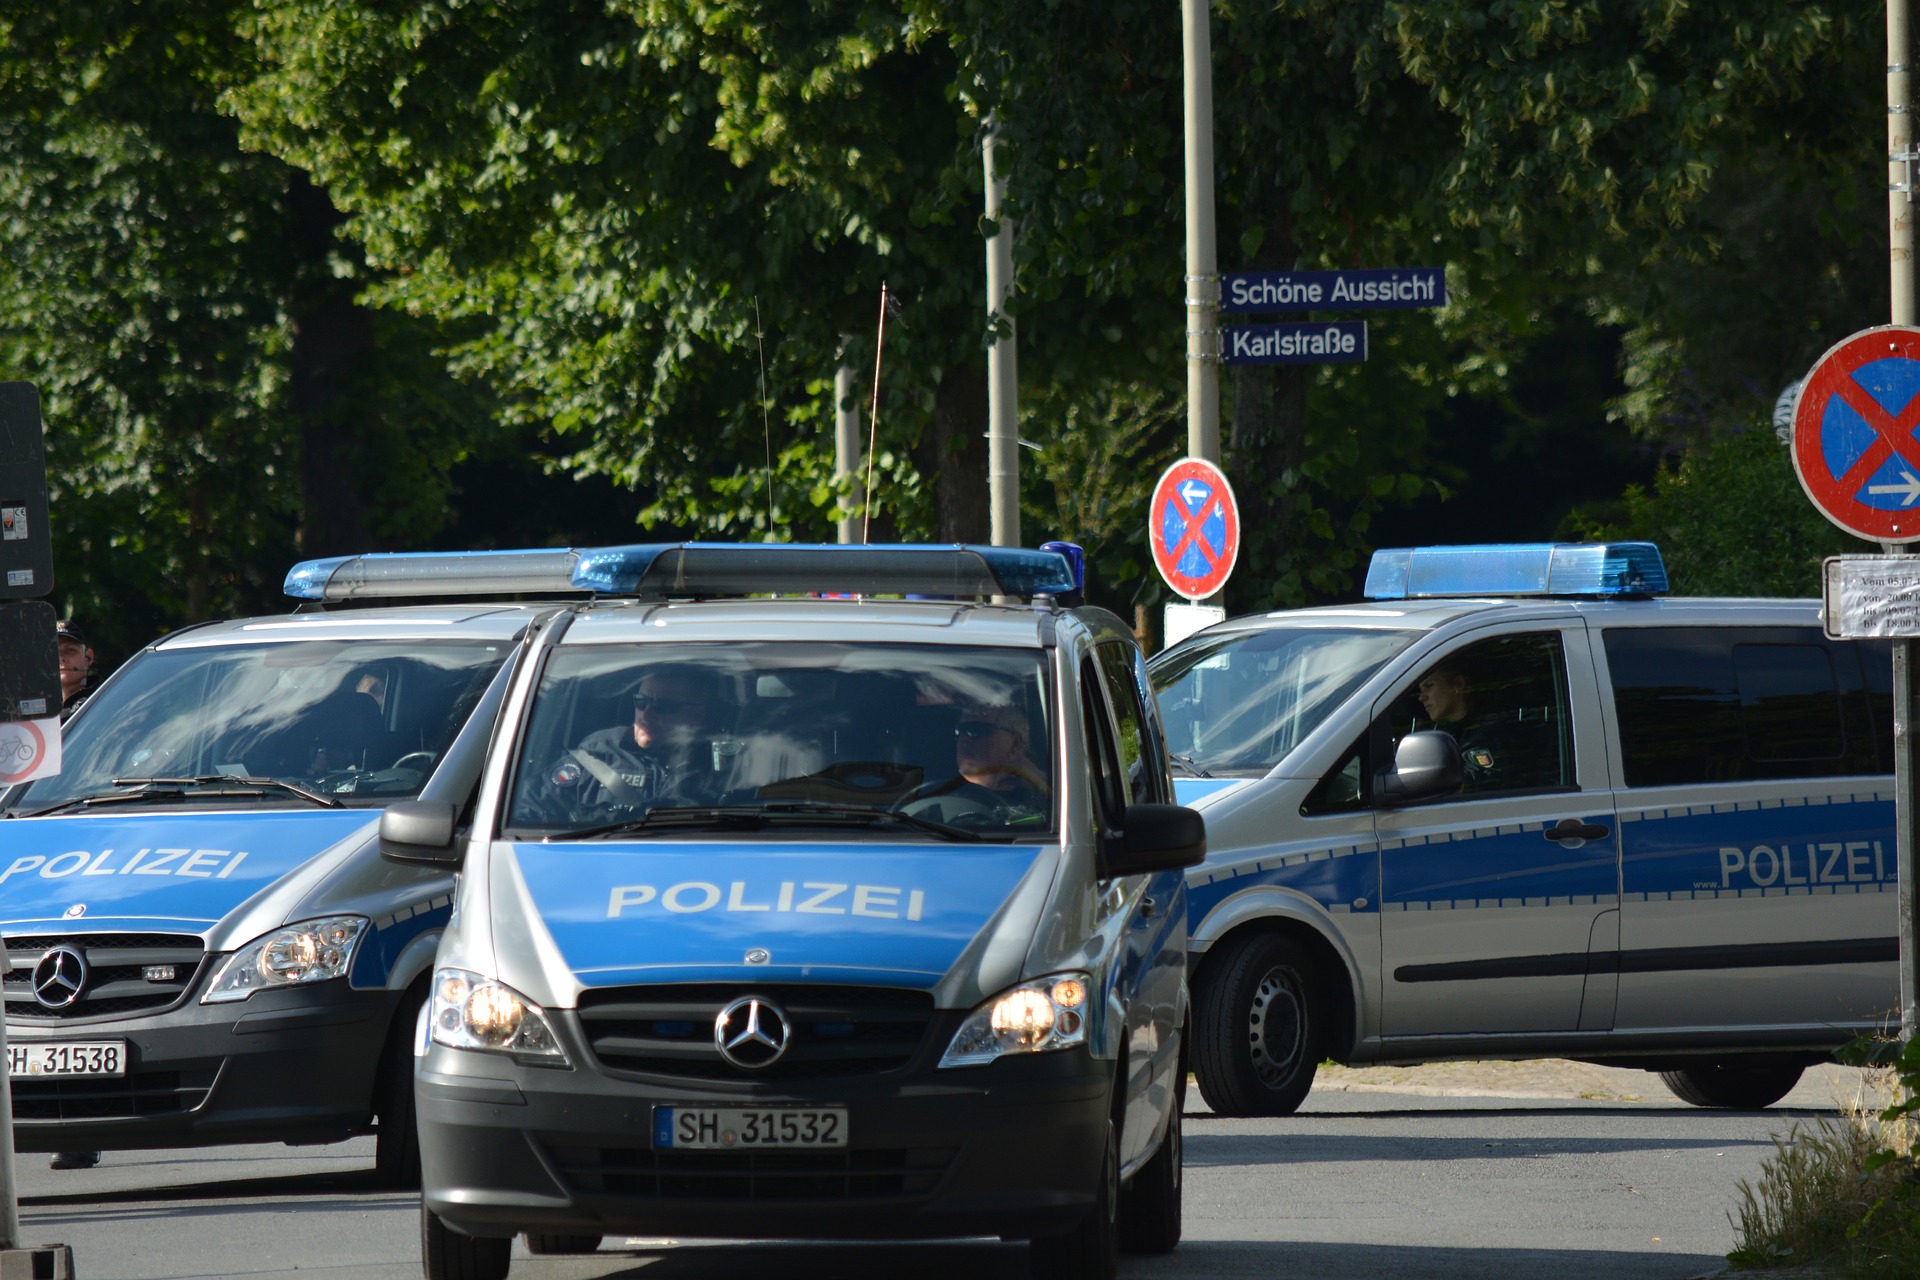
661	757
1490	749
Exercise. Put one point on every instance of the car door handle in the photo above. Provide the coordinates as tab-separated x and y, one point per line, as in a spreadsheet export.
1574	829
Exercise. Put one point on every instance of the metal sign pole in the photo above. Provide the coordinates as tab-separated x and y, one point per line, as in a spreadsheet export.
1900	281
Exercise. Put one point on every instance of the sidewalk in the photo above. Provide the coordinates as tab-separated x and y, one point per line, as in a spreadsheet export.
1821	1088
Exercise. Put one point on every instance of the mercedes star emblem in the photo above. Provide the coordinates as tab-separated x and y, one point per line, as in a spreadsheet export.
752	1033
58	977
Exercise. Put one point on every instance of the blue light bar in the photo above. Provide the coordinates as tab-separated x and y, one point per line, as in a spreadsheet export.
434	573
1518	569
707	569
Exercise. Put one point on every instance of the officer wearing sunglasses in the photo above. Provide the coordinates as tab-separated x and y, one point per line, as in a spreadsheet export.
995	781
661	757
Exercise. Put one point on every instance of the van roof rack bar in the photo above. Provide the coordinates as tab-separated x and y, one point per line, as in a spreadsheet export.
379	575
1590	569
707	569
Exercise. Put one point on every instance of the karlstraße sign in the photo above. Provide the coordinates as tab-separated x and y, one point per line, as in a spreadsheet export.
1359	289
1299	342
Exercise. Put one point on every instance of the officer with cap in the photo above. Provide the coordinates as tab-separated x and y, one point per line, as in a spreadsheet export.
76	667
663	756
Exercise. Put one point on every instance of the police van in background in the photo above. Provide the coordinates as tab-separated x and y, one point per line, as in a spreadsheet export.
206	945
783	916
1663	838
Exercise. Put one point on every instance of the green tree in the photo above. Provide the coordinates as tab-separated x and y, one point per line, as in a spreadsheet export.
217	401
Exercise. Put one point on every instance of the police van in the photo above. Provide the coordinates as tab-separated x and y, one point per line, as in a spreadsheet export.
1519	804
206	946
811	893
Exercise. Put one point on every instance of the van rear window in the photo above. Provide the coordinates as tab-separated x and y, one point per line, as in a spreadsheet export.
1738	704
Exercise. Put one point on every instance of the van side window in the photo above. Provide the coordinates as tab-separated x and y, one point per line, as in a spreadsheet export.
1505	702
1139	749
1736	704
1109	791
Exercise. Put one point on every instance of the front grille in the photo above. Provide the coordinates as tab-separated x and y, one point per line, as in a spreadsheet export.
751	1175
116	985
136	1094
836	1031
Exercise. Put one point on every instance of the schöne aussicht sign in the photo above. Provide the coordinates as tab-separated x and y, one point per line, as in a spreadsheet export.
1365	288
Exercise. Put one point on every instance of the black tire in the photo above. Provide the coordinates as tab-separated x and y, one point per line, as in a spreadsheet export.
1736	1084
1091	1251
544	1244
1261	1026
396	1150
445	1254
1150	1208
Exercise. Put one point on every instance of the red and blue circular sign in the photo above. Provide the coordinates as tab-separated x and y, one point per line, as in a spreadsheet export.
1854	445
1193	527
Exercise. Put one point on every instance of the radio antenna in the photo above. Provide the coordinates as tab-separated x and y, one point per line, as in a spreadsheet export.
873	425
766	423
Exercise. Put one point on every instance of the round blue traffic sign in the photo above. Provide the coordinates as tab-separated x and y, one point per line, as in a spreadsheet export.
1193	527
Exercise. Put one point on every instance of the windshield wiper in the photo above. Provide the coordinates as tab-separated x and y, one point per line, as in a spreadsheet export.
751	817
1190	765
146	790
230	781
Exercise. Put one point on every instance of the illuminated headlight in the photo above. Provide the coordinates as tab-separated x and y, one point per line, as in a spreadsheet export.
311	951
1035	1017
472	1012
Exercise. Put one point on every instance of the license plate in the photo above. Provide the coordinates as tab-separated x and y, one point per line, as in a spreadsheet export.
68	1058
748	1128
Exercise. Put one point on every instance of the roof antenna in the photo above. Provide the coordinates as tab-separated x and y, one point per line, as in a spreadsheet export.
766	425
873	427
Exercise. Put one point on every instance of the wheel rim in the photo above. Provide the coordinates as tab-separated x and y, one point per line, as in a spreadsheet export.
1276	1027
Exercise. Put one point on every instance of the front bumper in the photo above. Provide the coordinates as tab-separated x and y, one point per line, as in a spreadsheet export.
1012	1149
282	1066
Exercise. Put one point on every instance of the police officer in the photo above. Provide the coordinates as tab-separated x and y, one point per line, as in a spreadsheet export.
1489	747
76	667
662	757
993	773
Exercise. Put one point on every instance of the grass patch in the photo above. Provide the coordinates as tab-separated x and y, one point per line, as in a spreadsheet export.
1842	1195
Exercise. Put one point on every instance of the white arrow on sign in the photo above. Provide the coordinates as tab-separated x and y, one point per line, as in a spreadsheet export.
1193	491
1911	488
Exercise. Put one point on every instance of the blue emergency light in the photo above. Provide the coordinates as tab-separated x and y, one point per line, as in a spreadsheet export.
435	573
1518	569
708	569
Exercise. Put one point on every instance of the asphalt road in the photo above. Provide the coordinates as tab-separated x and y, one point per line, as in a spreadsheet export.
1410	1180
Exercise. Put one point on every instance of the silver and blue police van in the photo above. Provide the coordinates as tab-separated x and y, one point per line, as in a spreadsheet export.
206	946
1520	803
811	893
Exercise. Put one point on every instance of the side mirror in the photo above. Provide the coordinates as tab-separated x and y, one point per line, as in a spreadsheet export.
1425	765
419	833
1157	837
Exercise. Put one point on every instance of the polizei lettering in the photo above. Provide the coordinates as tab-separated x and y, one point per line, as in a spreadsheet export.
1767	866
794	897
192	864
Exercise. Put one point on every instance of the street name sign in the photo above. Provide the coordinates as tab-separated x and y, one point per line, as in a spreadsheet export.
1853	434
1363	288
1193	527
1302	342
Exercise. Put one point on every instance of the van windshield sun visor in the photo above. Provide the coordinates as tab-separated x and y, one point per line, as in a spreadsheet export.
1589	569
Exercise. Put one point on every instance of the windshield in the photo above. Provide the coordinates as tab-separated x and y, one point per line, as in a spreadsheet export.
1236	702
901	739
361	721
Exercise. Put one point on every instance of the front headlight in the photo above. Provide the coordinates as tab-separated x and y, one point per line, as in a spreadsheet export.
311	951
473	1012
1041	1016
